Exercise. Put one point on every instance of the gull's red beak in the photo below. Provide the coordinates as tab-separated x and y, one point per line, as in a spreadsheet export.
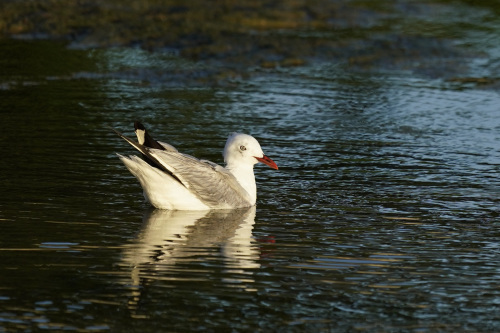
266	160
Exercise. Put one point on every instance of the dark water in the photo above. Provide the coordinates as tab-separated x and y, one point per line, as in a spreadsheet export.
383	216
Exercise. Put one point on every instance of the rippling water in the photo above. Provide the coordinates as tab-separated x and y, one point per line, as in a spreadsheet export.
382	217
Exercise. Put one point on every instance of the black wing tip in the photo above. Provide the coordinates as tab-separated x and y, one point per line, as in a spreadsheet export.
139	126
148	140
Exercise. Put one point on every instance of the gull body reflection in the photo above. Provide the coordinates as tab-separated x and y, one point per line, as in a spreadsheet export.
170	238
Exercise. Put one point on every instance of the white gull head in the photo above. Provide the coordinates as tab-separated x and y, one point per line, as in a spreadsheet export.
243	151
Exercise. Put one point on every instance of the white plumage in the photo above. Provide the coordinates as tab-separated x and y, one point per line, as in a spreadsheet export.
176	181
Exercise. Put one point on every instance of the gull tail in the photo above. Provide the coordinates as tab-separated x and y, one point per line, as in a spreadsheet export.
136	145
147	156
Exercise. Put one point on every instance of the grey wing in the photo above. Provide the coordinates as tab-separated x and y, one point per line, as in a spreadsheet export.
213	184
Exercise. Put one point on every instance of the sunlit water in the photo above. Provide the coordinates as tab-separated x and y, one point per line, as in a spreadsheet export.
383	215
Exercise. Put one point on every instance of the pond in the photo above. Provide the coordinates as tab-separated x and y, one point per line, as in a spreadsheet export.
383	216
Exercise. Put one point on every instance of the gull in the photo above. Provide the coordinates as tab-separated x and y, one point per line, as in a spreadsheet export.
176	181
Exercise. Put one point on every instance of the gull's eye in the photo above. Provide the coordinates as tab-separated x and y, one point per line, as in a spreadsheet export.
242	148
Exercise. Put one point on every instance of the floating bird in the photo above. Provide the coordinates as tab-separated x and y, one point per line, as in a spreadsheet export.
177	181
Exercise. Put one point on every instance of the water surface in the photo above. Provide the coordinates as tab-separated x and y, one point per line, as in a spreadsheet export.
382	217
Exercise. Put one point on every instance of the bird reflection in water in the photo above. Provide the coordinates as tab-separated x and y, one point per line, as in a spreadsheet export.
185	240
